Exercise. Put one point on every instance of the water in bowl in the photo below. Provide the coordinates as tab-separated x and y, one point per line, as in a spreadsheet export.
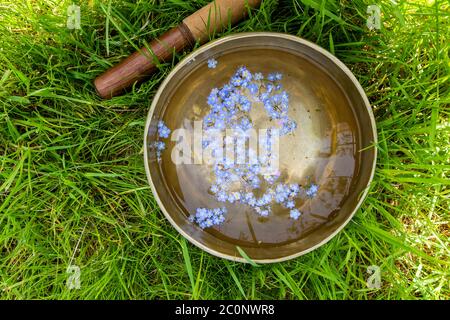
322	150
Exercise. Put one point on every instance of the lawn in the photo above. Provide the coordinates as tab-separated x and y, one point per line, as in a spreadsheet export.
73	189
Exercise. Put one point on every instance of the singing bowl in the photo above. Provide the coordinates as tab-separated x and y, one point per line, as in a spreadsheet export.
334	146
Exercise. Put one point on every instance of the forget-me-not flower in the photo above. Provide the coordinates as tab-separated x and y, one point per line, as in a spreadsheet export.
212	63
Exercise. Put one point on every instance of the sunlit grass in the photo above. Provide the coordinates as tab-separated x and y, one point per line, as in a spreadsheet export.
71	164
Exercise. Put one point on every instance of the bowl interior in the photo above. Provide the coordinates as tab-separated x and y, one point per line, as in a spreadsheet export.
331	146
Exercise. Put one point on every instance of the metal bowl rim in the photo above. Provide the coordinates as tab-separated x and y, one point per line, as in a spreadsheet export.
190	57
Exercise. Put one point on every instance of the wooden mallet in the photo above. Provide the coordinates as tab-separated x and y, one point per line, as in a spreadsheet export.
213	17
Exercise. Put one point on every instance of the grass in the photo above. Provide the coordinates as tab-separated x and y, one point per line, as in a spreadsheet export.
73	188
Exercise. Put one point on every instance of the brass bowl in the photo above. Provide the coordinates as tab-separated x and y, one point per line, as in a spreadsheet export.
334	146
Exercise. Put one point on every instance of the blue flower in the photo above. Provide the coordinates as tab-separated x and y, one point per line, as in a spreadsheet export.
270	178
219	124
217	108
212	63
288	126
163	130
255	182
269	87
213	98
272	110
226	91
267	198
312	190
241	78
243	72
206	218
254	169
274	76
245	124
244	103
208	120
247	197
295	189
281	193
289	204
231	198
253	88
236	81
260	203
229	103
159	147
295	214
214	188
230	108
258	76
222	196
280	197
216	220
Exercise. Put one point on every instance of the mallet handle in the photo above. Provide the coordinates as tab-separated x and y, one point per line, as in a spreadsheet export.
213	17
